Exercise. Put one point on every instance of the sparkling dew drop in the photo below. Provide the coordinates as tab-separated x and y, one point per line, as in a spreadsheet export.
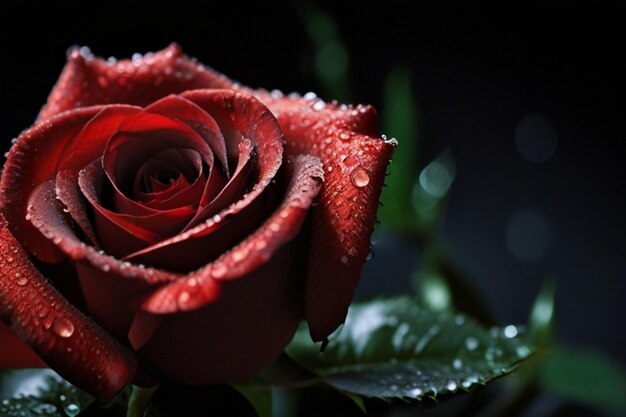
360	178
63	327
71	410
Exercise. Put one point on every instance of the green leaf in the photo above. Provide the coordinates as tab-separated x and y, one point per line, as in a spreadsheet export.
53	397
395	348
587	377
400	120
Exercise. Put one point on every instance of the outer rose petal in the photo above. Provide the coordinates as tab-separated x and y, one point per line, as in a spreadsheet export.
341	227
15	353
355	158
56	330
36	158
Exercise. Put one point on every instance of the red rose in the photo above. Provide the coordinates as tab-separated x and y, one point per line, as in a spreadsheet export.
166	207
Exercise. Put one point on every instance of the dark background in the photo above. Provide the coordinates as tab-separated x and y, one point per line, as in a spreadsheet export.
478	71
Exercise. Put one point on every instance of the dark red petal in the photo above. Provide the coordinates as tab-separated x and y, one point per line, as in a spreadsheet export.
270	263
187	164
15	352
119	234
69	342
176	107
47	215
186	189
240	117
86	80
305	176
142	137
105	280
34	159
355	159
211	203
84	147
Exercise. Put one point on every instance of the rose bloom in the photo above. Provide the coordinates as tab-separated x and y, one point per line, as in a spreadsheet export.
161	221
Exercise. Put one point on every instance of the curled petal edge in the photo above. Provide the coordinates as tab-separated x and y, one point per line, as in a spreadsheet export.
60	334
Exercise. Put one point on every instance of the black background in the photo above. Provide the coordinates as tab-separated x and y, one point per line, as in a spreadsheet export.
478	70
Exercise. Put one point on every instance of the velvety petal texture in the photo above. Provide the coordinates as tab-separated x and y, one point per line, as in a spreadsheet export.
211	216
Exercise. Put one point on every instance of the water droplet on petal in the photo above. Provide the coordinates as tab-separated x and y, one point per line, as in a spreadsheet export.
63	327
43	312
219	270
22	281
319	105
360	178
183	298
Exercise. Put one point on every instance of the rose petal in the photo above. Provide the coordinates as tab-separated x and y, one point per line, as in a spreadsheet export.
355	158
15	352
48	216
176	107
84	147
180	191
142	137
120	234
86	80
240	117
212	204
305	177
33	160
56	330
272	264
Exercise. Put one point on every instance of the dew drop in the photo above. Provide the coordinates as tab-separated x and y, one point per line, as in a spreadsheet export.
71	410
22	281
319	105
344	260
183	298
510	331
415	392
457	363
63	327
344	136
522	351
451	385
360	178
219	271
471	343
